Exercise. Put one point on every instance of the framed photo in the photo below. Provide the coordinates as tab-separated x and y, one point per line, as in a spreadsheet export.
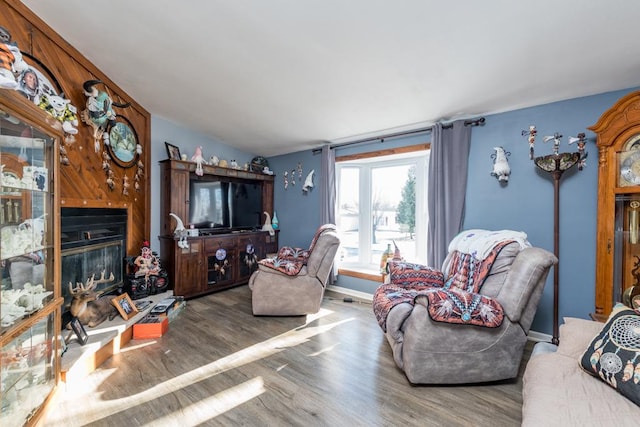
123	143
79	331
172	151
125	306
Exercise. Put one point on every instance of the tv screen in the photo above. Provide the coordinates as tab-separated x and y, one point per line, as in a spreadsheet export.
245	204
208	204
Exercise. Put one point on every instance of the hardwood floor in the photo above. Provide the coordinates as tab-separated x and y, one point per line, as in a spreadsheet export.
218	365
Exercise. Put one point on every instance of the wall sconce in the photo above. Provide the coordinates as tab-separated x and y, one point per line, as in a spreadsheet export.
501	169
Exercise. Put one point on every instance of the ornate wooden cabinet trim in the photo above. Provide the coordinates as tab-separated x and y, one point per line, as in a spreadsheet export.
618	246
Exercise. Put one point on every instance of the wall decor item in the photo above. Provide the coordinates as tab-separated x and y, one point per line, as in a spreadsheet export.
299	168
99	113
286	179
173	152
125	306
11	60
123	143
531	138
293	177
501	169
308	182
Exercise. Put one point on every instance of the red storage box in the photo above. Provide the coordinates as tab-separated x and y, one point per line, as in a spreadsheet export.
150	327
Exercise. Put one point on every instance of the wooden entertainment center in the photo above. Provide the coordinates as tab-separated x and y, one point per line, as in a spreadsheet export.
216	259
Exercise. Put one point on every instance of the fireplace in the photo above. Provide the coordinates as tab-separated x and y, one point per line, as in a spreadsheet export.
93	243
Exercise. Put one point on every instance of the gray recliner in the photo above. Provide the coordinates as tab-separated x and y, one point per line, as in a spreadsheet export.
436	352
293	284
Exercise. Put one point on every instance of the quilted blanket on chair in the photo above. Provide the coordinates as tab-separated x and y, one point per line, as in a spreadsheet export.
456	301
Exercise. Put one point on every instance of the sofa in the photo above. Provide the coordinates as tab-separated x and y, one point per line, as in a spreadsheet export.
488	345
557	391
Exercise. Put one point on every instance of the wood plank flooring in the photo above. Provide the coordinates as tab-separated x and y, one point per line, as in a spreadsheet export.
218	365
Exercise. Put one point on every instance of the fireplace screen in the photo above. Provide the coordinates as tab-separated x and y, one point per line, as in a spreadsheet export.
102	261
93	244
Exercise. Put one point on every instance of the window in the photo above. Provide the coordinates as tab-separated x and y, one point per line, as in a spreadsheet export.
382	201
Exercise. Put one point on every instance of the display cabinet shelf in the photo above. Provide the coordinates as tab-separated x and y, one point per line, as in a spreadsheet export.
29	252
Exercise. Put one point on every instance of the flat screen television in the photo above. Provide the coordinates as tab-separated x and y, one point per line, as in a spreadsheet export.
245	207
225	204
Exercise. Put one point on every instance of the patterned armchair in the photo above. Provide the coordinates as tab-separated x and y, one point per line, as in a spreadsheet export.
468	322
293	283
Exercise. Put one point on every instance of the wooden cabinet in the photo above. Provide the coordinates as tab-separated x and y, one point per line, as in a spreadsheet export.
618	240
30	250
218	259
213	263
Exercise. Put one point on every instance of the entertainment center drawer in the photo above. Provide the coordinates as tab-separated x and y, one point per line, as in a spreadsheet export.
212	244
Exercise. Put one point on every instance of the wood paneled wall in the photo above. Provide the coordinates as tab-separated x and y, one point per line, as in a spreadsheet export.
83	181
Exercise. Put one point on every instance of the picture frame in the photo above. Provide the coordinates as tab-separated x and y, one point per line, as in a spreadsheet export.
79	330
125	306
123	143
172	151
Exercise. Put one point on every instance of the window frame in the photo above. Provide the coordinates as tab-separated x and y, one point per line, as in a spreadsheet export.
416	154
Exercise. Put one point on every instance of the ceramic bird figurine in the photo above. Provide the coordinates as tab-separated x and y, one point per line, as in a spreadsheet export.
199	160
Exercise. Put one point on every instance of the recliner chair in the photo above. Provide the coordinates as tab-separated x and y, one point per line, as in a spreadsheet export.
440	334
293	283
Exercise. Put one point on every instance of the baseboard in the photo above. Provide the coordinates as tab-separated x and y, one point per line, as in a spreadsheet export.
533	335
539	337
352	293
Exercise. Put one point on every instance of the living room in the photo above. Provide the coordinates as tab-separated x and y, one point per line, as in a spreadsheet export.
526	203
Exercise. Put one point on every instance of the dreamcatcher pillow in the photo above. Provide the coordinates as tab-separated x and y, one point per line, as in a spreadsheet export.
614	354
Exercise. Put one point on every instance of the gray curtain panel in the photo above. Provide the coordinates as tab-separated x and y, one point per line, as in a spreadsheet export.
328	186
328	196
446	187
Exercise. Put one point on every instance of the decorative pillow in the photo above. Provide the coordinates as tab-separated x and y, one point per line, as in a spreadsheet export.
614	354
454	305
576	334
405	274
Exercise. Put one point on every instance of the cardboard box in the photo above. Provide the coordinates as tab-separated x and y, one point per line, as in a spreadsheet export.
150	327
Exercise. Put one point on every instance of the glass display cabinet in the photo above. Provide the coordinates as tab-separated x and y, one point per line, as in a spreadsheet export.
618	225
29	250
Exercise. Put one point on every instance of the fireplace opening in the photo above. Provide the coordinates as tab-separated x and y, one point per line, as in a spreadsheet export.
93	244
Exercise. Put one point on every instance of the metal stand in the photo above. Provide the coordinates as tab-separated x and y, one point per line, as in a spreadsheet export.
556	164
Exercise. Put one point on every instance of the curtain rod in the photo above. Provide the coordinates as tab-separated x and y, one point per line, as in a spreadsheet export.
474	122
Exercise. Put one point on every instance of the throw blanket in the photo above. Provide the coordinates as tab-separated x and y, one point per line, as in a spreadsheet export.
480	243
456	301
291	260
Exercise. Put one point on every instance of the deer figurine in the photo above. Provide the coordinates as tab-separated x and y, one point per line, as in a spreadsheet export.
87	307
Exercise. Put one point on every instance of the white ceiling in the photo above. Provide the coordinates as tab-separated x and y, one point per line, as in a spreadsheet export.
276	76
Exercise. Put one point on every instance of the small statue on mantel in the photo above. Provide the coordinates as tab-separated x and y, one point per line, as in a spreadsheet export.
146	263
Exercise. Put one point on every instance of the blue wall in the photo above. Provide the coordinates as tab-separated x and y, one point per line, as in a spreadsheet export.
187	140
525	203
